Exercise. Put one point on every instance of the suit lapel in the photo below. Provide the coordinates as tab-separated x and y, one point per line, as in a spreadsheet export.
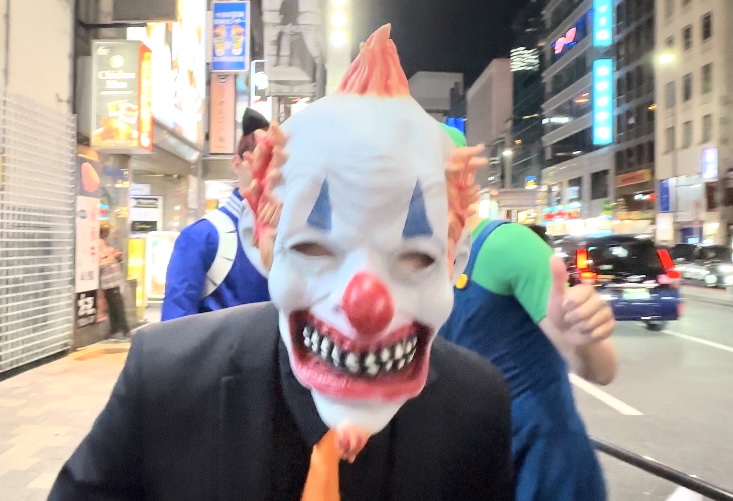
416	447
246	411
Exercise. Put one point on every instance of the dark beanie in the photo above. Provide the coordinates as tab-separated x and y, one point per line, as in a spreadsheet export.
252	121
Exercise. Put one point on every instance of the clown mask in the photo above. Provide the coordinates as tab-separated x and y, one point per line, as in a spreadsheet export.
374	197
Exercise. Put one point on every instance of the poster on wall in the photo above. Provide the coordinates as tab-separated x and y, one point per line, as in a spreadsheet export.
122	87
230	37
86	267
146	214
295	47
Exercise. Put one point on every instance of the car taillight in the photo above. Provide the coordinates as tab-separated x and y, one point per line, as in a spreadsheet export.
672	277
581	259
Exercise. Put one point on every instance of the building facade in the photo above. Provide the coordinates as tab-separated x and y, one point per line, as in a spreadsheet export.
527	56
578	113
635	113
694	88
37	177
489	120
432	90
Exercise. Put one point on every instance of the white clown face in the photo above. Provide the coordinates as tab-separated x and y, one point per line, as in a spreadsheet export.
360	273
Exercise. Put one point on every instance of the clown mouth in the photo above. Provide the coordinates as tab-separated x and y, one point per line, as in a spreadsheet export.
390	359
327	361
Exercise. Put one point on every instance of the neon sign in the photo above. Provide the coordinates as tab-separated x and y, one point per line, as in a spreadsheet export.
602	102
602	23
568	40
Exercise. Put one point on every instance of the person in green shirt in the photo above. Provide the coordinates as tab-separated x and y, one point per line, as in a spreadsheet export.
513	307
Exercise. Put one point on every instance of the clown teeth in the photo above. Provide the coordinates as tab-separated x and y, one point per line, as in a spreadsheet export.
388	359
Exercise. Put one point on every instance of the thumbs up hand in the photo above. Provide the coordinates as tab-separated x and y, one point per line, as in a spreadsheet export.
578	313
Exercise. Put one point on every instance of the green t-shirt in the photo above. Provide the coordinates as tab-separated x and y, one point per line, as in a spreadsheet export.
515	261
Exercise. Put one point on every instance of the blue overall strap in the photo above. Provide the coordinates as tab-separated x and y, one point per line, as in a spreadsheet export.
479	242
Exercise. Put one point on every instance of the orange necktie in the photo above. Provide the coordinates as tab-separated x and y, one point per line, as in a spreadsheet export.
322	483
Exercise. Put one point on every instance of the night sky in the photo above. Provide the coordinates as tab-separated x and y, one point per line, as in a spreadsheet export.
442	35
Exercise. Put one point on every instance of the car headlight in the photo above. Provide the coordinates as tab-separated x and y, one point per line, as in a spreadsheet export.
725	268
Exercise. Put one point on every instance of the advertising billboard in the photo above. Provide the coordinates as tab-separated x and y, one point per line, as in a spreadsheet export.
86	280
230	37
602	102
602	23
122	117
295	47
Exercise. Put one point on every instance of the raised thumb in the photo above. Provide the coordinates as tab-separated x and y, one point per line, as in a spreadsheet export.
559	275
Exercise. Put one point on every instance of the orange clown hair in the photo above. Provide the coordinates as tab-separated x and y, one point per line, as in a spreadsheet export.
376	71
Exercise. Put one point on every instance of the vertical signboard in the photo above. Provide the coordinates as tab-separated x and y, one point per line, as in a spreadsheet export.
602	23
602	102
122	117
221	114
665	199
230	37
86	280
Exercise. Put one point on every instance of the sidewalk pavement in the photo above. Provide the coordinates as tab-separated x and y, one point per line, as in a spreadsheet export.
45	412
718	297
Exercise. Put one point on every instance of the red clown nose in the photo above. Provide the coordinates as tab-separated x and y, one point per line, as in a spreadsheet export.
368	304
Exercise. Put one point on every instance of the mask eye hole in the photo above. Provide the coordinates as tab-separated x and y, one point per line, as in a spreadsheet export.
313	249
416	261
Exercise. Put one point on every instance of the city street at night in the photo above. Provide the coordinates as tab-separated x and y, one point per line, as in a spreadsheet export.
671	400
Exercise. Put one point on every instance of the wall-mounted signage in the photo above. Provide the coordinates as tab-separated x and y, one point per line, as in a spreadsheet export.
636	177
602	23
567	40
230	37
530	182
221	114
122	90
710	164
602	102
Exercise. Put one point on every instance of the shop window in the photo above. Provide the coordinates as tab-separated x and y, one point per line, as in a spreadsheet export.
686	134
707	128
575	193
687	37
707	78
687	87
669	139
707	26
599	185
669	98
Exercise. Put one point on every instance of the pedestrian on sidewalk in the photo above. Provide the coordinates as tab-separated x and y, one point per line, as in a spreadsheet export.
209	270
112	281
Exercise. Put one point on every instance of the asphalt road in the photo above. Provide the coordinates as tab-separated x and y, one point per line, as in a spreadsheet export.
672	401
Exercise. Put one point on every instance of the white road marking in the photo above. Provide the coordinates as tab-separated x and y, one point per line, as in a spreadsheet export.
694	339
611	401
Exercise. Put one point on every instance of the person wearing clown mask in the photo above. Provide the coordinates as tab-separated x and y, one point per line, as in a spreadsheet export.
513	308
338	389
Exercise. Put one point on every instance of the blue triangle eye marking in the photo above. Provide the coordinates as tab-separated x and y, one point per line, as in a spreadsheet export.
417	224
321	215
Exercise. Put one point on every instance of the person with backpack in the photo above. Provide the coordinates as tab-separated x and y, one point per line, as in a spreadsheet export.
209	270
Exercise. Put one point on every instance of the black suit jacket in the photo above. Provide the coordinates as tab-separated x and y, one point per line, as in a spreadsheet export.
191	418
